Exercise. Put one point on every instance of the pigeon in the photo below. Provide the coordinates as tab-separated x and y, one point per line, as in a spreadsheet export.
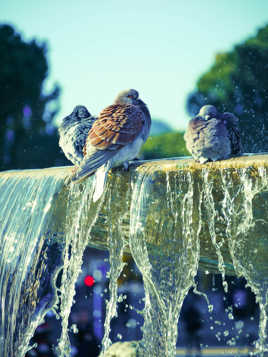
213	136
115	138
73	133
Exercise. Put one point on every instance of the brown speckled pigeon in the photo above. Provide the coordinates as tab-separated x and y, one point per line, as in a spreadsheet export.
213	136
115	138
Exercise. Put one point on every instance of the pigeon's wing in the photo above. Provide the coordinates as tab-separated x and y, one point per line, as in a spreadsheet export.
117	126
234	136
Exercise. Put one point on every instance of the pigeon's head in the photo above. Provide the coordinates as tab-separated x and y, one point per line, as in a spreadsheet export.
208	111
230	117
80	112
129	96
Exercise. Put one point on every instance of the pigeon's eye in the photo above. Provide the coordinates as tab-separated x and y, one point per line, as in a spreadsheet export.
130	96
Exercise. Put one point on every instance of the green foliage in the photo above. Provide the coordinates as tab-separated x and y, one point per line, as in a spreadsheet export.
27	135
165	145
238	82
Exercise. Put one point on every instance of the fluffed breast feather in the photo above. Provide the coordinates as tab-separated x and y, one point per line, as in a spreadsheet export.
193	131
116	126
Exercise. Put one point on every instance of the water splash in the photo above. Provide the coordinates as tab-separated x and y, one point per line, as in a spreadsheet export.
167	274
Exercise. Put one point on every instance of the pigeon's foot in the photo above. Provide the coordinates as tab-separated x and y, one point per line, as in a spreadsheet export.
74	170
71	177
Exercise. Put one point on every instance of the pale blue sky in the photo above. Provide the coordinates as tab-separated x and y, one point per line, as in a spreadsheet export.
160	48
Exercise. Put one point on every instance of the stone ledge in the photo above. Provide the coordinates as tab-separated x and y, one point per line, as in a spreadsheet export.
171	164
175	168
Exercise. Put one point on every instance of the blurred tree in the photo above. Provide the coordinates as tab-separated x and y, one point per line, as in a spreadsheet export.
238	82
164	145
28	137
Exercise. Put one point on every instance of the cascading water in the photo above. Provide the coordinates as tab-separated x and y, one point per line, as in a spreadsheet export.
25	248
210	211
167	274
35	251
235	209
172	218
116	244
247	233
82	214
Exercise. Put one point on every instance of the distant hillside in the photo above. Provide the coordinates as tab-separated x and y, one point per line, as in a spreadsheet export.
165	145
159	127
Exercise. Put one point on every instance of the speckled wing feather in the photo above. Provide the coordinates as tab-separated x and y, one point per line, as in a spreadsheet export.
116	126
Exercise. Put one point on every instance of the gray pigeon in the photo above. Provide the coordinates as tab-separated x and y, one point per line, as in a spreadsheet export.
73	132
213	136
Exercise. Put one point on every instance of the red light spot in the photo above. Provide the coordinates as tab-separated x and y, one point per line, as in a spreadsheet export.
89	280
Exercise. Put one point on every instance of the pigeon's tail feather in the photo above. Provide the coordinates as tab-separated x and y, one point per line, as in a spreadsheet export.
100	181
90	165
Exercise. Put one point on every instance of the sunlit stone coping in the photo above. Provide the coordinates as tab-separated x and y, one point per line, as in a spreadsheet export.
184	163
59	172
120	191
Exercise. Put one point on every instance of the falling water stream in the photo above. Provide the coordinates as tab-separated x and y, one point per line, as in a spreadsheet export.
24	269
235	202
82	216
116	244
170	220
247	234
34	253
167	275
